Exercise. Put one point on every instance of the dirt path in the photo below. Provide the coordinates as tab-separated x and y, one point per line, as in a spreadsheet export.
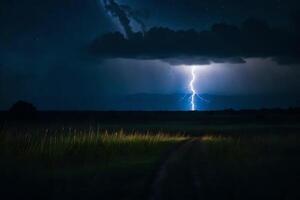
177	177
230	169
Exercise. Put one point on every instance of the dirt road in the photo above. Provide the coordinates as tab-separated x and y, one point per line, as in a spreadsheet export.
178	177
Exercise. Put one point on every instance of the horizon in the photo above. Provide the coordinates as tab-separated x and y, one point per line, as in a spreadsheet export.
175	102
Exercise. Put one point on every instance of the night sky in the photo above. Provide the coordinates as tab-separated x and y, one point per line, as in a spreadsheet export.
137	55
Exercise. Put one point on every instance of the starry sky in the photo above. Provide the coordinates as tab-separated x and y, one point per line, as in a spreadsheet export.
136	55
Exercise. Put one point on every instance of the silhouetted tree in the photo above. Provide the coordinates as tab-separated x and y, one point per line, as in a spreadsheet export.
22	110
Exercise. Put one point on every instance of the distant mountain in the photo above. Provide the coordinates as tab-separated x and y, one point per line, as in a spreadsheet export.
168	102
209	102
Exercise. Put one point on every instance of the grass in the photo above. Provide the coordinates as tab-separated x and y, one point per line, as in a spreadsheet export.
88	146
240	162
251	147
236	166
72	164
251	167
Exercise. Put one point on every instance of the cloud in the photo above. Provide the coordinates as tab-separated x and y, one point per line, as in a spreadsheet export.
186	60
116	10
126	15
222	43
139	16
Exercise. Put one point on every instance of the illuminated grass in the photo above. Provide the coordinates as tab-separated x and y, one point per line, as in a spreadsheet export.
85	146
85	164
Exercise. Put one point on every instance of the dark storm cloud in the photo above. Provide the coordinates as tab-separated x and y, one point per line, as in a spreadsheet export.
202	60
223	43
183	14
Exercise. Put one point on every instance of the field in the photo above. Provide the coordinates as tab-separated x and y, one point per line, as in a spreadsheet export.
165	155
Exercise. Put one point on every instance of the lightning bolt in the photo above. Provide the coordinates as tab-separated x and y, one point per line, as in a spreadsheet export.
192	89
193	93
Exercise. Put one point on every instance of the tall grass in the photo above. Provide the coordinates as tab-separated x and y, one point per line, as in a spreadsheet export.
73	164
251	146
251	167
89	146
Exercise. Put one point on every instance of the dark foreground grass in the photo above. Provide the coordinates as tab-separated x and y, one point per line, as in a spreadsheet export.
242	162
252	167
79	165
